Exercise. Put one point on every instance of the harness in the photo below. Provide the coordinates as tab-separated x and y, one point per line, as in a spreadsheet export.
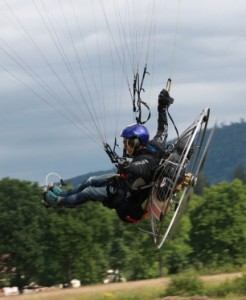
120	191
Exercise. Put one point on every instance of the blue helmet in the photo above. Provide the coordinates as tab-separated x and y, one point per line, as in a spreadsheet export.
136	131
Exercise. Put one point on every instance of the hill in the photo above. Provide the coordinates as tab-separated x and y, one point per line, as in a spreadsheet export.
226	153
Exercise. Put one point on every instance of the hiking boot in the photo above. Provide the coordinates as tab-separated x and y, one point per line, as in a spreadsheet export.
49	199
43	201
55	189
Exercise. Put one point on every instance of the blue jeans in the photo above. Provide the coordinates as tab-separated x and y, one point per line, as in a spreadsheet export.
93	189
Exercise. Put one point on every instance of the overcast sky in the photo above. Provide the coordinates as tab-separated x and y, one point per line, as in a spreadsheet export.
65	67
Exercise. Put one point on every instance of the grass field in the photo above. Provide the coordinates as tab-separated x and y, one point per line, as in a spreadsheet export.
151	289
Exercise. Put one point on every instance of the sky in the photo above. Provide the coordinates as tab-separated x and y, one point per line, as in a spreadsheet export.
66	68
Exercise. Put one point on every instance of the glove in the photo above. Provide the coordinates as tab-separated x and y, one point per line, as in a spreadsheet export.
164	100
122	163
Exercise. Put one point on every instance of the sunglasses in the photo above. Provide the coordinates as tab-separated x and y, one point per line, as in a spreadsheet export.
129	142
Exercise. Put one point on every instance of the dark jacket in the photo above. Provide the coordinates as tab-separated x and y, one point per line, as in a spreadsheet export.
139	173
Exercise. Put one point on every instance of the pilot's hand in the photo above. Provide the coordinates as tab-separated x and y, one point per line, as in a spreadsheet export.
122	164
164	100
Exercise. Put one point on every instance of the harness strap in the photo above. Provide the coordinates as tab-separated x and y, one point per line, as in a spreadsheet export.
142	187
131	220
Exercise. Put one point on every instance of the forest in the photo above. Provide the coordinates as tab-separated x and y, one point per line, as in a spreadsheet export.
227	152
51	246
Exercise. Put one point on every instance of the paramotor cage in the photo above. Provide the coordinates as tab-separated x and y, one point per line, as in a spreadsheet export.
176	177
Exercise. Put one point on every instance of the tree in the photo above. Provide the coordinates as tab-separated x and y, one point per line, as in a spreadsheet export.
218	234
177	250
76	242
20	231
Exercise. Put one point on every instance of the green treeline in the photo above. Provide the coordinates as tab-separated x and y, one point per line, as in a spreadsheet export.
51	246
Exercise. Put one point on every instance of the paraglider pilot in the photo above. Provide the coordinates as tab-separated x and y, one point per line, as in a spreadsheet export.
126	190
